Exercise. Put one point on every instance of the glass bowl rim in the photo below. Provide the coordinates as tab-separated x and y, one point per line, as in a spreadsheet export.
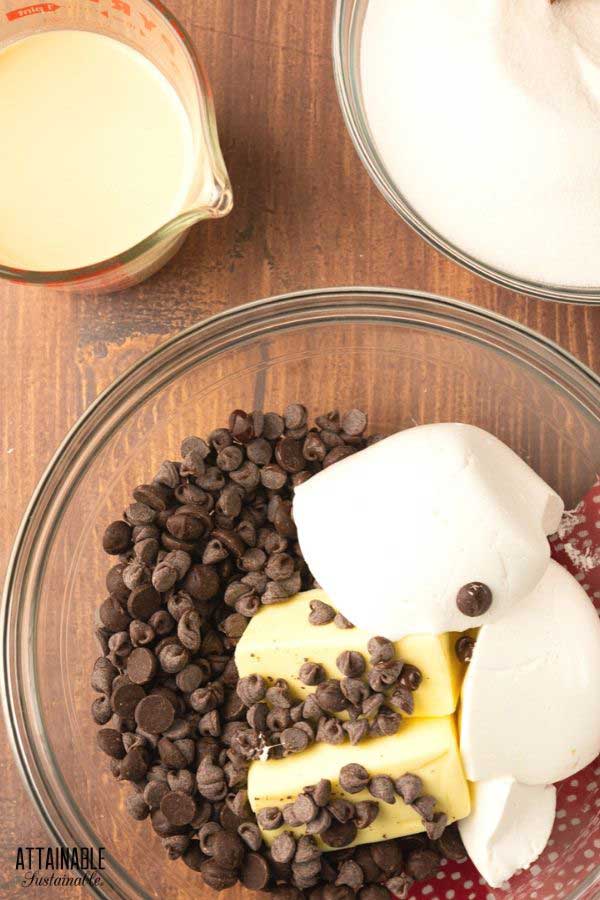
379	304
358	129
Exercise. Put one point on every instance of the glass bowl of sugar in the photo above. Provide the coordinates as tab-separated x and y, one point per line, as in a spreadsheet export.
480	125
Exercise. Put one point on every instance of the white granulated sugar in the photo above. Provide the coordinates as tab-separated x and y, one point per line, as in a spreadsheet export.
486	114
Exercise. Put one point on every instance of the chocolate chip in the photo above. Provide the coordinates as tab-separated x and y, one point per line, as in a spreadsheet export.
341	809
320	613
320	823
216	876
388	856
305	809
365	813
474	599
386	722
143	602
269	818
329	696
353	778
402	698
422	864
341	621
321	793
425	806
374	892
294	740
330	731
178	808
399	885
227	849
464	648
154	714
283	847
137	807
251	689
133	766
117	538
254	874
357	730
354	690
384	674
450	844
250	834
288	453
382	788
380	650
101	710
311	673
110	742
437	826
350	874
410	677
409	787
339	834
350	663
141	665
126	697
103	675
113	616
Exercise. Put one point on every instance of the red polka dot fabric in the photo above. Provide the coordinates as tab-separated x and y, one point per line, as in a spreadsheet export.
570	865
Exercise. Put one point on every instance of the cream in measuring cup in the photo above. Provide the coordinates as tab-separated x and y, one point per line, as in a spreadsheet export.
96	150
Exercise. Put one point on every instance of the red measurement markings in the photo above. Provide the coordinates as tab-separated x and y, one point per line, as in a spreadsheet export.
32	10
122	6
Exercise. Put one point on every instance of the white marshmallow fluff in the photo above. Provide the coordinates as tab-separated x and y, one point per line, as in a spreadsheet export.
393	532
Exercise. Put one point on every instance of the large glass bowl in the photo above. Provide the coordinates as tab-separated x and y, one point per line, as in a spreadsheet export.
347	34
407	358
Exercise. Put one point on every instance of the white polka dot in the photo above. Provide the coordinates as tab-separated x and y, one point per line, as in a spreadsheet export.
468	884
571	798
583	532
535	870
482	881
450	894
589	854
558	885
471	897
490	897
456	877
551	842
574	782
591	867
561	814
578	869
553	856
439	876
597	843
427	889
592	786
576	821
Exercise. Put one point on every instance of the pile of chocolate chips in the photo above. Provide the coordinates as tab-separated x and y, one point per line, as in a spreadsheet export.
198	551
364	693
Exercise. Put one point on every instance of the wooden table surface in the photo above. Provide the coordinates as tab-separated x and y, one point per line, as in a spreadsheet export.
306	215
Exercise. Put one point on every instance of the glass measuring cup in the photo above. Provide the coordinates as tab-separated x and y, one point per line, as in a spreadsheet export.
146	26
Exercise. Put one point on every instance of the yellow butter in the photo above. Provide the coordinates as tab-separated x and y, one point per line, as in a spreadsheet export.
424	747
280	638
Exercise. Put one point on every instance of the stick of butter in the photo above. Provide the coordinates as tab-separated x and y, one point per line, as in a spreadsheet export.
280	638
424	747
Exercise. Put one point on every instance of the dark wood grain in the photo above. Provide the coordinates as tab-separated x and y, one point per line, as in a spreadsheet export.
306	215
